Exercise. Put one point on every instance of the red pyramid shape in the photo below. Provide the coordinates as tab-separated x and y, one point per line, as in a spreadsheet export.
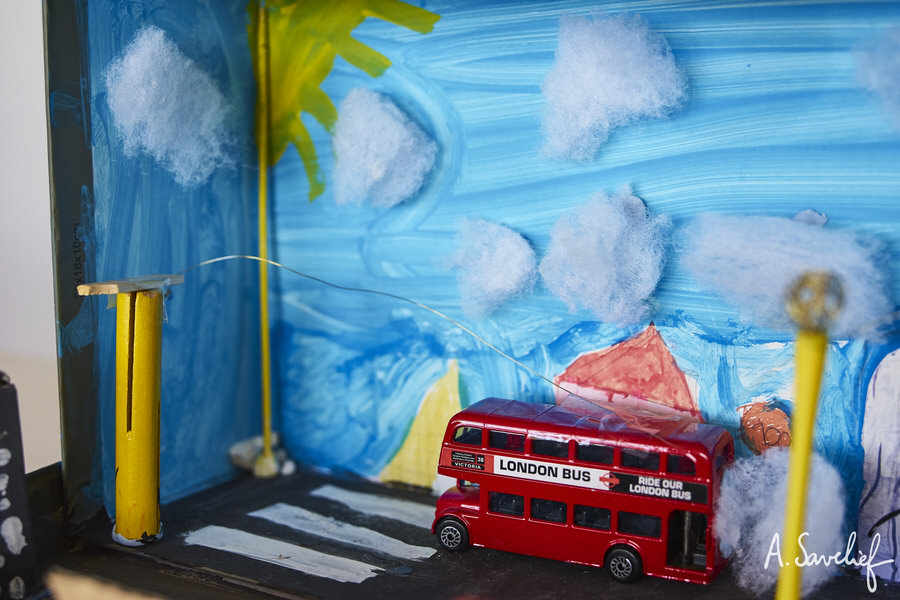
640	368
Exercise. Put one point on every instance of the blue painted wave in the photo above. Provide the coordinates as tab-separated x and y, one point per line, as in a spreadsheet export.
774	124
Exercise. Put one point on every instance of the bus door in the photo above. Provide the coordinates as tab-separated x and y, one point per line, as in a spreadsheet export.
688	545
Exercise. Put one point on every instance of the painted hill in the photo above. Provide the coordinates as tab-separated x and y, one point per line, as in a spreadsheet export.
639	372
415	463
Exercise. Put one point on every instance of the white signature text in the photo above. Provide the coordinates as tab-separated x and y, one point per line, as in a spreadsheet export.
844	558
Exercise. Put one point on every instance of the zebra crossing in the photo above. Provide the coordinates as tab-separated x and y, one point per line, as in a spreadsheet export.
316	562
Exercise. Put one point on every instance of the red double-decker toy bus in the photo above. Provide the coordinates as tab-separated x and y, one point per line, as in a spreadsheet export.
540	480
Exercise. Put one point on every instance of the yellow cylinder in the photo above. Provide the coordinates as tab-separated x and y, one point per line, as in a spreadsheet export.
809	360
138	352
265	465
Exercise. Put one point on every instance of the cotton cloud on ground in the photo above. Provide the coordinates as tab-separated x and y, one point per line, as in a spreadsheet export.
752	261
166	106
607	257
878	70
609	71
381	155
495	264
750	511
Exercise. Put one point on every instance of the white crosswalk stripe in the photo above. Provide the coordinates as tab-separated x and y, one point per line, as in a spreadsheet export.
412	513
281	553
315	562
327	527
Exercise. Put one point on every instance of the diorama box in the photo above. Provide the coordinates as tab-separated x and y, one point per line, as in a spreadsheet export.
525	200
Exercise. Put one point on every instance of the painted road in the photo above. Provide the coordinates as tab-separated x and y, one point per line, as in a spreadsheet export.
291	555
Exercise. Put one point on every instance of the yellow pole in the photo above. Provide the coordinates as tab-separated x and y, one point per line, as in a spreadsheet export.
138	352
809	362
265	465
815	301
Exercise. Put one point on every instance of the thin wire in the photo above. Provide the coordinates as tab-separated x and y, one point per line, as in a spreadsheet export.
608	410
385	295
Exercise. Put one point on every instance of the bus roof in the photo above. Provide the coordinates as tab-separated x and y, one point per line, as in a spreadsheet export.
553	419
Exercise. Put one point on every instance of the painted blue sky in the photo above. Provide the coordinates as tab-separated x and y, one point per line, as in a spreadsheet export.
774	123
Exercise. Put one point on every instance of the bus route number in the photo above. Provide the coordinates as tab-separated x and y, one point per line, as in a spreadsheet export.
467	460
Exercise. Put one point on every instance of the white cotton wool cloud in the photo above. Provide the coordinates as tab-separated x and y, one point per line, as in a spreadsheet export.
878	70
166	106
381	155
607	257
495	263
750	512
753	261
609	71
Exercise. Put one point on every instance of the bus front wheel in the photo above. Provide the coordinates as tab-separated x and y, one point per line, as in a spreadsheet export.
452	535
623	564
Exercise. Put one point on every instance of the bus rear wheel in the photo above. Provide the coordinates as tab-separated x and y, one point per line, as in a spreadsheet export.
452	535
623	564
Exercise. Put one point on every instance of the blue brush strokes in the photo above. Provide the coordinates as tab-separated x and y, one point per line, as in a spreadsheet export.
774	125
144	222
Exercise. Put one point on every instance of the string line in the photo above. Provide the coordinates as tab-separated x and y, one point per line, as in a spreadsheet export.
345	288
633	418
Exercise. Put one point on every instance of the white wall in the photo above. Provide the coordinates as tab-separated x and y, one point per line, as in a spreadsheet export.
27	332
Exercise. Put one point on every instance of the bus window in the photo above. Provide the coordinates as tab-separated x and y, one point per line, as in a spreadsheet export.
548	510
502	440
553	448
638	524
594	453
638	459
593	517
507	504
467	435
680	465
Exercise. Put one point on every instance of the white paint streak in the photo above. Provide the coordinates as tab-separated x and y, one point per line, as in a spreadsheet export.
13	534
413	513
881	467
327	527
17	588
281	553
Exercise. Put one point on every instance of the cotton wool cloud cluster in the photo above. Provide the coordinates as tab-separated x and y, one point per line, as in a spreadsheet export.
164	105
878	70
381	155
753	261
609	71
607	257
750	512
495	264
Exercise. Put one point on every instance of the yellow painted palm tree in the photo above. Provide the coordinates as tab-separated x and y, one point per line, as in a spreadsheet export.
294	44
304	38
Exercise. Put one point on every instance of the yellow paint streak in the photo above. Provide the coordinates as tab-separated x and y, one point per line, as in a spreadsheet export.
416	461
809	361
305	37
138	353
265	463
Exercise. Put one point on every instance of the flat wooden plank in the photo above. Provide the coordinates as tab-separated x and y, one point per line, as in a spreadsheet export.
132	284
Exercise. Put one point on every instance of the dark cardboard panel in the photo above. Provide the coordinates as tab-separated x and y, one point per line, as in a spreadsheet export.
18	568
